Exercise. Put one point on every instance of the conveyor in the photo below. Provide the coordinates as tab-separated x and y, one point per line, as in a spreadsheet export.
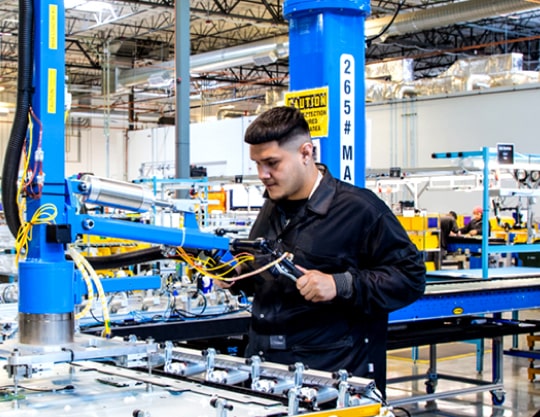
461	305
449	294
457	305
452	293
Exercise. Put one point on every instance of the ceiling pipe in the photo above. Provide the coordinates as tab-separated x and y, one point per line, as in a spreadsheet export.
411	22
269	50
259	53
440	16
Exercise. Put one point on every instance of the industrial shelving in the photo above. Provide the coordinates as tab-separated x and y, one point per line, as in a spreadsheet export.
490	166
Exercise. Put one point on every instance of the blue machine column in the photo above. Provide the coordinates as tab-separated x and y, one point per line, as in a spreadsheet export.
46	300
326	49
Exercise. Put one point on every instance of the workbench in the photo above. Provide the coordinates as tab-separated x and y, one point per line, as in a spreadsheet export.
457	305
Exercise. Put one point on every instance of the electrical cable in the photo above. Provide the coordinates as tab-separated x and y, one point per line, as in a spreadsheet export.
65	388
88	282
37	171
388	25
407	413
45	214
240	259
12	157
101	294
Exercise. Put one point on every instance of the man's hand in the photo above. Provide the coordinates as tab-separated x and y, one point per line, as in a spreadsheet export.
224	285
316	286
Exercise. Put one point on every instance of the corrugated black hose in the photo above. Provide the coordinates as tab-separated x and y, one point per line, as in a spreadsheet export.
127	258
20	124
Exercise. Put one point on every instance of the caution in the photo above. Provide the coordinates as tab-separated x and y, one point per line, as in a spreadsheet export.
313	104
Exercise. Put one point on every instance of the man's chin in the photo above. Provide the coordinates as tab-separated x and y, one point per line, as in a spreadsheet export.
276	196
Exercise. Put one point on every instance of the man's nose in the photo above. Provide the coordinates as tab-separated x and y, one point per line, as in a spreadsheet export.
263	172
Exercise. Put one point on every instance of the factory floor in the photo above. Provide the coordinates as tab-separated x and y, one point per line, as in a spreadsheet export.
459	360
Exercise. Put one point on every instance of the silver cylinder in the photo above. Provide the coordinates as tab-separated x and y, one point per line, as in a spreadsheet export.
113	193
46	329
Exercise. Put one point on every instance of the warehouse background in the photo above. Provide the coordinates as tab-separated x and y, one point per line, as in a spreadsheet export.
435	79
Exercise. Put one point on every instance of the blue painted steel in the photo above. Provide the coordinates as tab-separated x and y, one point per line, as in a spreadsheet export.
326	38
436	306
45	278
188	237
46	288
513	248
296	6
485	212
443	155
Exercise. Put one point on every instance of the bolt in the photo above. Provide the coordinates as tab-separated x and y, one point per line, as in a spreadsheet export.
88	224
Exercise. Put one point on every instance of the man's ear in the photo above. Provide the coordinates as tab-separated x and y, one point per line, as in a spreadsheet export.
307	151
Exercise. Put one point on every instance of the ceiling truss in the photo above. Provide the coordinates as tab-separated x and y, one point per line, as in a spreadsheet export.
134	34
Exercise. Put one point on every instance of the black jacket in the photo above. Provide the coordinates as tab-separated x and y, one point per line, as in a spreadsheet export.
348	232
474	224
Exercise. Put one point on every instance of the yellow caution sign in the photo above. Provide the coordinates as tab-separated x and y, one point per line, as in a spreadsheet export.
313	104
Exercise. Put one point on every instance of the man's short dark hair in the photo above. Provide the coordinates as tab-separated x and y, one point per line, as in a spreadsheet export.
277	124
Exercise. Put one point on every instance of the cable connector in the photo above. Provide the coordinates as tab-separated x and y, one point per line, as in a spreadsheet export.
39	155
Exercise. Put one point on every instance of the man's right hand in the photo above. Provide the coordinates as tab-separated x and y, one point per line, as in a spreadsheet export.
224	285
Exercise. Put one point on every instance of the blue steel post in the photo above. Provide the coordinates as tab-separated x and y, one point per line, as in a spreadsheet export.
485	213
46	279
326	49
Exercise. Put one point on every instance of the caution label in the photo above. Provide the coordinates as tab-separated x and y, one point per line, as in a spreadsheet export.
313	104
53	27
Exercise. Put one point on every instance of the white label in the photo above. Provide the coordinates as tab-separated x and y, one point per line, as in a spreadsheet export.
347	117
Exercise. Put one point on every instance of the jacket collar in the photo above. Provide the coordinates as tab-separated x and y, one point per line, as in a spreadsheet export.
322	198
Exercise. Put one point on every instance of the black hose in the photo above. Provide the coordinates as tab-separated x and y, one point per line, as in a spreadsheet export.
128	258
17	137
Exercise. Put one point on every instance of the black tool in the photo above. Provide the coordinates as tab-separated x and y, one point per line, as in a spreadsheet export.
285	266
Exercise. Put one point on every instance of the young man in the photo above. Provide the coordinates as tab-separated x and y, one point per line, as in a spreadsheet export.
358	262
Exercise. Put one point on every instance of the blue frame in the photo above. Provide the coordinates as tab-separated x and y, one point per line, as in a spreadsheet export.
326	38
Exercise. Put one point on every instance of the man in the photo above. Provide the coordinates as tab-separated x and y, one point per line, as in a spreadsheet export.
358	262
449	227
474	227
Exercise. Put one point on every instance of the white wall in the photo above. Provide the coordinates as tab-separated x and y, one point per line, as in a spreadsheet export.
217	145
89	150
449	124
405	134
86	149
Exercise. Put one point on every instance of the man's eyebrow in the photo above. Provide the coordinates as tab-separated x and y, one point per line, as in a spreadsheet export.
268	158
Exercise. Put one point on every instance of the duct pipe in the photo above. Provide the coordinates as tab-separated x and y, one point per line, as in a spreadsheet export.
269	50
412	22
153	77
240	55
466	11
